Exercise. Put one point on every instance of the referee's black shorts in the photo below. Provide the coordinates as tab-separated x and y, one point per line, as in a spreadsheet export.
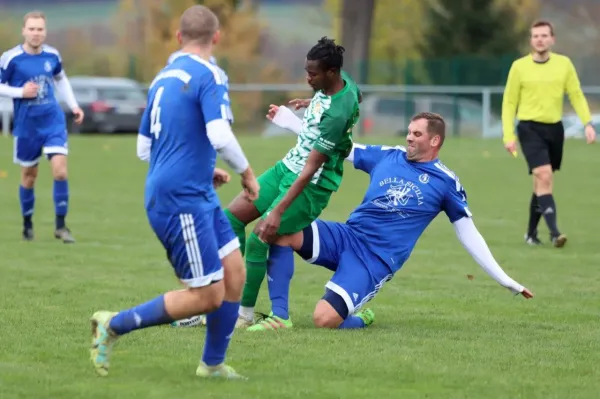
541	143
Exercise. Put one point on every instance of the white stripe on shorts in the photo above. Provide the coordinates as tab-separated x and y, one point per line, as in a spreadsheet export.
55	150
16	160
191	245
316	243
229	248
348	300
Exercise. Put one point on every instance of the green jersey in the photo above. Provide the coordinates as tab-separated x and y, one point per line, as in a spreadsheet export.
327	127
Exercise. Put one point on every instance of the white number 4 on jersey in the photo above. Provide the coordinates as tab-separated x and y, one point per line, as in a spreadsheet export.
155	125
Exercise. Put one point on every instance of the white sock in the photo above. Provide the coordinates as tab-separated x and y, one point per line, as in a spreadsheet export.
247	312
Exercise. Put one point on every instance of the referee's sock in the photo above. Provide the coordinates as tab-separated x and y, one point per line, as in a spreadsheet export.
534	216
548	209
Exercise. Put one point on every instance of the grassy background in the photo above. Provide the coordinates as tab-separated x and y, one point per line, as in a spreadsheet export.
437	334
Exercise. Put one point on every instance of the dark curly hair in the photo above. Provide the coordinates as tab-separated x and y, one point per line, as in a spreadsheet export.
329	54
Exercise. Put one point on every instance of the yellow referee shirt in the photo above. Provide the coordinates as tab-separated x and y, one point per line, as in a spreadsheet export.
535	92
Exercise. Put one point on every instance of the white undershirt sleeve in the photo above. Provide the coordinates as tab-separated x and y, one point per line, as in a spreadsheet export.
474	243
286	119
225	143
64	88
144	145
10	91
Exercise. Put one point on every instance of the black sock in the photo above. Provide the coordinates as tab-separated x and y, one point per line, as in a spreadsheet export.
534	216
548	209
27	223
60	222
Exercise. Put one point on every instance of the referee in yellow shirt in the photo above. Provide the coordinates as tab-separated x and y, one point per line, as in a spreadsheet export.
534	94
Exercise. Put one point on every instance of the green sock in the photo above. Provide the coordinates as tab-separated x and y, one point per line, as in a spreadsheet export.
256	269
239	228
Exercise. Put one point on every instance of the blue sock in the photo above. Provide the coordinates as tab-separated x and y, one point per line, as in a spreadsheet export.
352	322
219	329
280	270
61	201
27	199
149	314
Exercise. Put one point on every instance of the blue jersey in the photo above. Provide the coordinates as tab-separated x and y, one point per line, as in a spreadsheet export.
17	68
402	199
184	97
213	61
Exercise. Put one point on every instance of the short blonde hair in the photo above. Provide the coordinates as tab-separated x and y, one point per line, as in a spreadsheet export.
33	14
198	23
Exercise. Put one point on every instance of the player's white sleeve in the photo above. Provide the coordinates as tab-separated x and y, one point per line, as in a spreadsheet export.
10	91
286	119
474	243
64	88
143	147
224	142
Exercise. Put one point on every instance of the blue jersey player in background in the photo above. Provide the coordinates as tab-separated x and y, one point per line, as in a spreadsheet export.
408	188
29	73
187	125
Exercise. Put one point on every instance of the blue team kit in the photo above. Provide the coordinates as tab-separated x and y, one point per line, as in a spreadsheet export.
403	197
39	123
181	202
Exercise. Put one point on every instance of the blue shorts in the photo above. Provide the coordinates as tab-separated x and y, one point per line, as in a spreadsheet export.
195	243
358	273
28	150
36	135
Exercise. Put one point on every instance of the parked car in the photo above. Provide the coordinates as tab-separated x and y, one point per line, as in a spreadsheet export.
110	104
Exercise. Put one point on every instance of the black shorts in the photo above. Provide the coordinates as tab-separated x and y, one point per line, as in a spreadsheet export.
541	143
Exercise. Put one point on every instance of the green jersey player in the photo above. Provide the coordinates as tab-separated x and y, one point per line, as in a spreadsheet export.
296	189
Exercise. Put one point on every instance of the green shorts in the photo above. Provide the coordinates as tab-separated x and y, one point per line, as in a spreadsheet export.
275	183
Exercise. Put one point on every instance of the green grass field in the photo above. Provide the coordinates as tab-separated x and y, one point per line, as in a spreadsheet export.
437	334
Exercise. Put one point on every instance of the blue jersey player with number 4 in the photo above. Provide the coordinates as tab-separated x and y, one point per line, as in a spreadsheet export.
185	126
408	188
29	73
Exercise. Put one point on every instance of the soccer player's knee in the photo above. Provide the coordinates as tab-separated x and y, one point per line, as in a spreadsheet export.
28	176
543	175
331	311
234	272
209	298
59	167
60	175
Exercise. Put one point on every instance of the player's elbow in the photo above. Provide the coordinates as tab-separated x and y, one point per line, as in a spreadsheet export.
219	134
224	142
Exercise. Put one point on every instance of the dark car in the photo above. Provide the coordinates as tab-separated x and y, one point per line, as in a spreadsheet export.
110	104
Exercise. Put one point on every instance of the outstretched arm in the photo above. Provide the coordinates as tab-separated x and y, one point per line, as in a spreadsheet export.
474	243
286	119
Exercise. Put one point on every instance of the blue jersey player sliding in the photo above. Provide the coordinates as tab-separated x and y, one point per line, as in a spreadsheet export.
28	74
408	188
187	125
